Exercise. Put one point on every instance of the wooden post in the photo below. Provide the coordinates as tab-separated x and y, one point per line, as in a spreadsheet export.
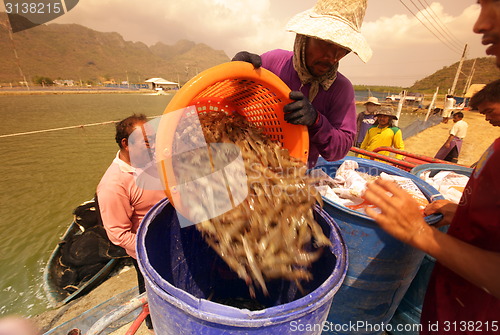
469	79
432	104
452	90
402	99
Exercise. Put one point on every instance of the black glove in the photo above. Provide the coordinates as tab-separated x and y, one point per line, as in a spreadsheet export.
245	56
300	111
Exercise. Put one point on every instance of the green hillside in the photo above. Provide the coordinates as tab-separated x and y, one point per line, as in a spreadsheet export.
484	73
70	51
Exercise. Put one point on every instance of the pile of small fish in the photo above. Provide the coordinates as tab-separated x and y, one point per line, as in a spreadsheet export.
272	233
349	185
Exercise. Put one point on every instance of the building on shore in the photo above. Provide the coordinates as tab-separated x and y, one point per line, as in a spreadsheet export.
161	84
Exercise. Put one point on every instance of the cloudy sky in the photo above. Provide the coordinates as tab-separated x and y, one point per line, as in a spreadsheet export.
404	49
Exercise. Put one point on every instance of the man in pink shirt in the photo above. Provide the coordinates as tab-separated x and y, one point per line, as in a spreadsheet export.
122	202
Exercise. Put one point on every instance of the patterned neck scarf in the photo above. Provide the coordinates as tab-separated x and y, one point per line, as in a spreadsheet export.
299	64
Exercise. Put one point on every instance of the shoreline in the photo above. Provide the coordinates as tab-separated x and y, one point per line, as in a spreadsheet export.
12	92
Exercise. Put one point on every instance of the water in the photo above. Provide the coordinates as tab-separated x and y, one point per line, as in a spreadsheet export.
44	176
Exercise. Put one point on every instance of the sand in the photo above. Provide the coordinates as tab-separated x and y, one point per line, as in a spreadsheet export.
479	137
122	282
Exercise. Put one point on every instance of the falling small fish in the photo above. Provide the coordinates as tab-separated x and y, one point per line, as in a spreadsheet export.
271	234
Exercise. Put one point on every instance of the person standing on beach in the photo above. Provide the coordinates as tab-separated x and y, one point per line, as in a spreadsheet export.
463	295
383	133
324	98
366	119
449	104
451	148
122	203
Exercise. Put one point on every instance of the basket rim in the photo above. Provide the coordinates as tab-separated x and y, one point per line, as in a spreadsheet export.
297	141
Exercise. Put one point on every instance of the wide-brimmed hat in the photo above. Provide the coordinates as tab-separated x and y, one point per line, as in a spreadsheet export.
372	100
387	111
336	21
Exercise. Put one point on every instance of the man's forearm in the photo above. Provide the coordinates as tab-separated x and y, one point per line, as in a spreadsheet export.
479	266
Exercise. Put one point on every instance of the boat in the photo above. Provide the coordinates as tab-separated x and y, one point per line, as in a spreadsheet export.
408	97
64	281
125	308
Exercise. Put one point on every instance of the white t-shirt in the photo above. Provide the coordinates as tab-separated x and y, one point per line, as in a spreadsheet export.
459	129
449	103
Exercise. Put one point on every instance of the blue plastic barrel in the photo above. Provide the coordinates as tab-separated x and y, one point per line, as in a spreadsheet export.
188	284
381	268
406	320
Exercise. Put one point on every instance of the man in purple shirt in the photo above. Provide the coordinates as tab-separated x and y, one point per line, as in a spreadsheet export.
324	98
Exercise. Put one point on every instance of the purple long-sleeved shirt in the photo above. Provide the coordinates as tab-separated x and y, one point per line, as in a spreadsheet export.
333	135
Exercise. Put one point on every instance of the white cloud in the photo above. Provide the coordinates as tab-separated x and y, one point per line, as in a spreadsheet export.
404	50
223	24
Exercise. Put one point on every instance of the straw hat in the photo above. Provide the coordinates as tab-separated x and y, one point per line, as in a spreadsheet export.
372	100
387	111
336	21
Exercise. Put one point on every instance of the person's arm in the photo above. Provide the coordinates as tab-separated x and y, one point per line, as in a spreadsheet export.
359	121
366	140
448	141
452	135
401	218
333	142
116	212
333	134
333	130
397	142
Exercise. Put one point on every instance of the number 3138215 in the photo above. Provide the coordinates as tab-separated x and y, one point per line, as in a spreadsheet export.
33	7
471	326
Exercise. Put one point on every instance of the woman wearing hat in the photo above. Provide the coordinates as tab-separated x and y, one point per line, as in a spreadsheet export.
324	98
366	119
384	133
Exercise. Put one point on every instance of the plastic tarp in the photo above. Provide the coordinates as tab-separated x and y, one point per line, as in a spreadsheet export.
420	125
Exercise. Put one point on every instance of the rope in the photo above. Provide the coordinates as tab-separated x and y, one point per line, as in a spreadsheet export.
56	129
63	128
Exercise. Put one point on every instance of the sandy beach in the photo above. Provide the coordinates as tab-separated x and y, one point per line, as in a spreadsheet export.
479	137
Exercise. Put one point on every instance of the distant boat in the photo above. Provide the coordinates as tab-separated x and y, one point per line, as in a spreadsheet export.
161	92
409	96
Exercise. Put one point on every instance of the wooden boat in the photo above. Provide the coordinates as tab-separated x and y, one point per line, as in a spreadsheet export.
59	294
108	316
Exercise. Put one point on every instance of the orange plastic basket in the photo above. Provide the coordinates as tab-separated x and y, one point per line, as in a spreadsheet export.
236	87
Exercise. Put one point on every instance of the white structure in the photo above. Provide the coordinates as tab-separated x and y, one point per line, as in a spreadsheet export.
161	84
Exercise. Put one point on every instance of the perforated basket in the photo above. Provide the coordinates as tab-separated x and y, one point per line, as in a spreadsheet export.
236	87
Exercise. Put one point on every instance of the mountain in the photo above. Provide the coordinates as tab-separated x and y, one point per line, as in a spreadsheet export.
71	51
485	71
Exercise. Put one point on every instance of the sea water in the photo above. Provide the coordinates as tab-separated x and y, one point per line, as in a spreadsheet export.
44	176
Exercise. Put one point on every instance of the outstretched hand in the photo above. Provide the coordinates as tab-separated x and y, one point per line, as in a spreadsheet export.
400	215
301	111
245	56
